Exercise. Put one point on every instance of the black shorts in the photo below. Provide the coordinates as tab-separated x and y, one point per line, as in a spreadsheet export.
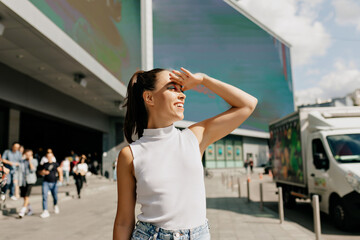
26	190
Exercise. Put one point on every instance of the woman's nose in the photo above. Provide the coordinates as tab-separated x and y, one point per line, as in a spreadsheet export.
182	96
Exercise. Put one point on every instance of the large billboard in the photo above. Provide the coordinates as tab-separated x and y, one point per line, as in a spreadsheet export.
212	37
107	29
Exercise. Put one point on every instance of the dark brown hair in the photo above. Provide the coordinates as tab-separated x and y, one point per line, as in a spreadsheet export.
27	150
136	118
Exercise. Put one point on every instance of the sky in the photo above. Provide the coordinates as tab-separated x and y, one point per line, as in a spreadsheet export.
325	43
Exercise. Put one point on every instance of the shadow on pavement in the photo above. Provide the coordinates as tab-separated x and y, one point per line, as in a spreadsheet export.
237	205
302	214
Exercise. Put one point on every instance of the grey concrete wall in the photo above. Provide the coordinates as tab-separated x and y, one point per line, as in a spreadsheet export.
22	90
14	126
258	147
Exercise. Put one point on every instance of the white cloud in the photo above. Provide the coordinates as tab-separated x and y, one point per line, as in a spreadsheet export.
347	12
311	72
295	21
308	96
343	80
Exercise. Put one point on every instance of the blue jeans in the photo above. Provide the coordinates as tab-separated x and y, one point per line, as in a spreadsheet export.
46	186
10	183
149	231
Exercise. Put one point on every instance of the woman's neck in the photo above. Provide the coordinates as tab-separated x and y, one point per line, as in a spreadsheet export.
158	123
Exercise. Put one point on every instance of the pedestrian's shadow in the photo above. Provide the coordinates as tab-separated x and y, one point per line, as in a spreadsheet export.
238	205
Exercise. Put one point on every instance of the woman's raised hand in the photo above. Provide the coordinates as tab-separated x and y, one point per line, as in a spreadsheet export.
187	79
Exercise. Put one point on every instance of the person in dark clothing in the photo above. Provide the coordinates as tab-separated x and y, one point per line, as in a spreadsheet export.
80	171
49	170
251	163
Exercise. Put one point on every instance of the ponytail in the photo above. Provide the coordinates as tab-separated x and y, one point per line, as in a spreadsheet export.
136	118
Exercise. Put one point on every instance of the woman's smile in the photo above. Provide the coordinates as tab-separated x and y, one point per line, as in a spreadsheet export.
180	105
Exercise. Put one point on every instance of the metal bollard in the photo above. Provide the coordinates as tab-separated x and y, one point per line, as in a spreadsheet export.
248	189
229	183
239	186
232	183
317	223
281	205
261	197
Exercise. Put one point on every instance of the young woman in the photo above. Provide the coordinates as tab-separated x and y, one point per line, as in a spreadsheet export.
27	178
162	170
80	171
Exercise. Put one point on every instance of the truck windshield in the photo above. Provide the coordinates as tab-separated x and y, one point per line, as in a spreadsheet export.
345	148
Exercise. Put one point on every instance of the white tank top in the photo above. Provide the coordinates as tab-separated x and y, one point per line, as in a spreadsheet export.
169	178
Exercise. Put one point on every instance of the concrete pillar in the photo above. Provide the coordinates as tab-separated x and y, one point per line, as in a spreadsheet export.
14	126
147	61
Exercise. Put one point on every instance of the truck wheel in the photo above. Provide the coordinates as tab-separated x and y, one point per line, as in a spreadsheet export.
340	216
289	200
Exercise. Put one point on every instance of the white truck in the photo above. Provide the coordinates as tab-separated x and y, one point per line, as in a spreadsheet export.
317	151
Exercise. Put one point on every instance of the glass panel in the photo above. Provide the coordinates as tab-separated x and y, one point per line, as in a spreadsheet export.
346	147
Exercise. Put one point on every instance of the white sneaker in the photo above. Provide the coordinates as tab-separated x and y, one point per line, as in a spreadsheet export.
29	212
14	198
45	214
22	212
56	209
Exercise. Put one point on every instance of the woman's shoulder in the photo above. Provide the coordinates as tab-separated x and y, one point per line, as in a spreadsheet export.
125	160
125	154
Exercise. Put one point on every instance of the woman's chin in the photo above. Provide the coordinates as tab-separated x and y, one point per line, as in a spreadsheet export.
179	117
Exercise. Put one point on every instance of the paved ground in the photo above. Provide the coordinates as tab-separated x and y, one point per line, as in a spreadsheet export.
232	217
91	217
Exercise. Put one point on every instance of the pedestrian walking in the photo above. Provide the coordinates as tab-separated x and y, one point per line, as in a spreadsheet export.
22	151
162	170
11	159
3	175
73	163
251	163
27	178
80	171
45	159
49	170
65	166
246	165
114	170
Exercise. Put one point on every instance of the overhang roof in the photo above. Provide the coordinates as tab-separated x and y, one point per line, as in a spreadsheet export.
26	49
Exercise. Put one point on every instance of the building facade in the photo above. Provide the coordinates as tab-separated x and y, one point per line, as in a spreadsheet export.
65	66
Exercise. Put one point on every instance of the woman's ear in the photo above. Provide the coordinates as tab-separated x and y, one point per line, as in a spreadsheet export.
148	98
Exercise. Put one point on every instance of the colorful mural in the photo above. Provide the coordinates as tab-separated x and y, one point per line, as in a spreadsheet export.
285	151
210	36
109	30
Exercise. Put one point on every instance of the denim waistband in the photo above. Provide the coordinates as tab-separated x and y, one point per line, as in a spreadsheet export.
166	234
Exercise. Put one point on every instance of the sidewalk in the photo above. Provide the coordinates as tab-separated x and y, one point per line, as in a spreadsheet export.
231	217
94	183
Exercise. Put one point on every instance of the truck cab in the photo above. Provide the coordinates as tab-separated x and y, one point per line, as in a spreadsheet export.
333	160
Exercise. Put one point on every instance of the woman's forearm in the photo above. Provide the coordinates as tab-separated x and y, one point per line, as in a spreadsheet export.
32	168
232	95
121	231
